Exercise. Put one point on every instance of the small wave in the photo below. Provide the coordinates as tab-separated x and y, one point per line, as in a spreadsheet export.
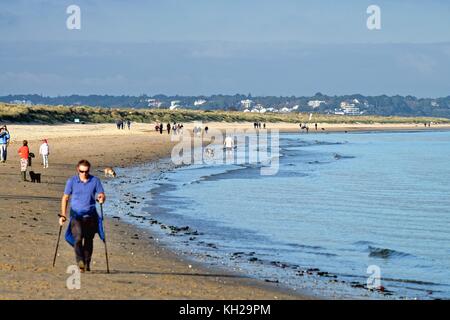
326	143
385	253
304	246
363	243
338	156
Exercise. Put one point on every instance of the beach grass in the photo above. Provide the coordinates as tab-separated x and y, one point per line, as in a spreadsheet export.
14	113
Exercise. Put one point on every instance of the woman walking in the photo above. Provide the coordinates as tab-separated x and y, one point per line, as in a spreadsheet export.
44	151
24	153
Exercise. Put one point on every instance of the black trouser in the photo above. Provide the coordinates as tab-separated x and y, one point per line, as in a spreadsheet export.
83	230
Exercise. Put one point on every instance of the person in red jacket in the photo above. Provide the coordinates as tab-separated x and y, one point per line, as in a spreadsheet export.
24	153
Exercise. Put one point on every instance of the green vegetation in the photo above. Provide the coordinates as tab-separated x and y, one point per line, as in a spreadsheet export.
64	114
382	105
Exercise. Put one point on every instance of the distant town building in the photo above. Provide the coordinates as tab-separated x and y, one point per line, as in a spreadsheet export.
315	103
174	104
434	104
348	109
153	103
246	104
24	102
199	102
259	108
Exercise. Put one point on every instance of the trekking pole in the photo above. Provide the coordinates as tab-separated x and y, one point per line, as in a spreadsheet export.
57	245
104	235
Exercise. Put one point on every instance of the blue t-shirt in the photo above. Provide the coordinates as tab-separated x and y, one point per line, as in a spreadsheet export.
4	137
82	200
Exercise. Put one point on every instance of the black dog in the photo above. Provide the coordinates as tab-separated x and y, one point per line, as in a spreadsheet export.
35	177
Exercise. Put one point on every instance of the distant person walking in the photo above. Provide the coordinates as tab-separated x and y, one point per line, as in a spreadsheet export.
4	143
129	124
24	153
83	190
118	123
44	151
160	128
229	144
168	128
315	125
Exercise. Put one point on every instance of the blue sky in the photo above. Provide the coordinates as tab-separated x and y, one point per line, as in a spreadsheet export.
191	47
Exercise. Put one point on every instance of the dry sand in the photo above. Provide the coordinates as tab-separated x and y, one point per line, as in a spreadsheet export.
141	268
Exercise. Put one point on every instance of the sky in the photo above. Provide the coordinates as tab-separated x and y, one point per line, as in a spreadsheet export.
203	47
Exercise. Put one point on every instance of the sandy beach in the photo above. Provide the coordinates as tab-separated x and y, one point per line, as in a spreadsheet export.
140	267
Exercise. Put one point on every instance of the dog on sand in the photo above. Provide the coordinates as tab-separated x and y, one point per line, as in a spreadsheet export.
109	172
35	177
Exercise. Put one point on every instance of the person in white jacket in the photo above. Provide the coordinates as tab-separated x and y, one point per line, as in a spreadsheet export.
44	151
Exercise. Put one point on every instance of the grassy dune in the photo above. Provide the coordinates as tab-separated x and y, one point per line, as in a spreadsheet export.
11	113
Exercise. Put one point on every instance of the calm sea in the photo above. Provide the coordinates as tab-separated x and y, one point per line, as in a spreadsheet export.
343	207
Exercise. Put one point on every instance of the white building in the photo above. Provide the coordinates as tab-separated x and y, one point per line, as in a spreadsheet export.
259	108
199	102
174	104
315	103
246	104
434	104
350	109
153	103
24	102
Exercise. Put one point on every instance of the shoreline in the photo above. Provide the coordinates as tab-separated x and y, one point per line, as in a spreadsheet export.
135	280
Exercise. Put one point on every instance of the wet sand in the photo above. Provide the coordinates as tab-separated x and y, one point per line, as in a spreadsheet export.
140	267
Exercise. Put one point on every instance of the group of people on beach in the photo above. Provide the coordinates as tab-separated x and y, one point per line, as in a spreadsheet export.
81	190
257	125
120	123
305	127
25	155
197	130
176	128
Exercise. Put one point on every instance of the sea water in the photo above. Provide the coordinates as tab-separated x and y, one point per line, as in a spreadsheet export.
343	210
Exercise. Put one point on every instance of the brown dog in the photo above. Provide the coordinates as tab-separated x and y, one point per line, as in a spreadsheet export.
109	172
